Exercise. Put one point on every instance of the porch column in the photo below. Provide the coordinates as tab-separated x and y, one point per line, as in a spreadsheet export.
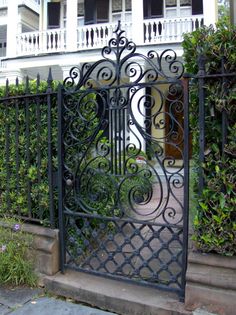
43	15
137	108
12	27
210	11
233	12
71	25
137	22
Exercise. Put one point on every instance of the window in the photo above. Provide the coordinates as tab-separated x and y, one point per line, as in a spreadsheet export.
197	7
80	11
96	11
128	5
116	5
54	14
185	3
152	9
120	10
171	3
102	11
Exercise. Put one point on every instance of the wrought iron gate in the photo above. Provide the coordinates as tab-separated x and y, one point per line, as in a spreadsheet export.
123	166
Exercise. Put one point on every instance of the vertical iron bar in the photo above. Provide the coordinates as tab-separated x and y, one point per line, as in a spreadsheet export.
119	134
201	92
61	179
186	183
38	160
115	139
7	148
111	134
124	139
27	134
17	146
50	166
224	113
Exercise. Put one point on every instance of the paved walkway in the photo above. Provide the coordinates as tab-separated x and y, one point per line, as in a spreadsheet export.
22	301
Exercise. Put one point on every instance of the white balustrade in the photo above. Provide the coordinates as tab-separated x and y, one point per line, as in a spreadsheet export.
94	36
41	42
169	30
98	35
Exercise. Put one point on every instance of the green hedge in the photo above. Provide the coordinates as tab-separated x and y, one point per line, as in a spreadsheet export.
24	172
215	220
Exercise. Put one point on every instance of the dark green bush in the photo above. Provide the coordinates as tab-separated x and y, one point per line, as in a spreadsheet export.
24	187
215	221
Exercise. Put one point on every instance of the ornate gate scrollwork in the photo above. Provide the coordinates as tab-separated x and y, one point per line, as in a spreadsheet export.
123	199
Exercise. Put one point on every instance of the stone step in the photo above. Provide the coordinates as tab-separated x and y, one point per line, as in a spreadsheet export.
116	296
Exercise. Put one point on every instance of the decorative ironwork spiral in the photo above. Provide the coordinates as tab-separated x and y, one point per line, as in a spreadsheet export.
121	116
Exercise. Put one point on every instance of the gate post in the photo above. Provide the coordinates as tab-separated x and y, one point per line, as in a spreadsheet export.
186	183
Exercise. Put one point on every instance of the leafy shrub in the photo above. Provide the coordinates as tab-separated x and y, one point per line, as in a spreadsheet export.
16	259
24	160
215	221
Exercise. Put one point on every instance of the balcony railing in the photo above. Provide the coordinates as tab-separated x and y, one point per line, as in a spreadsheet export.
41	42
170	30
97	35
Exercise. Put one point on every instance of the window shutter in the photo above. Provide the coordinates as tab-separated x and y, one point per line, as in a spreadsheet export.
145	9
102	11
152	9
197	7
156	8
89	11
54	14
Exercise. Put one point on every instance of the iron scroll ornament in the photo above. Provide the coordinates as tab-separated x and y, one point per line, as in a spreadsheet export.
108	115
119	59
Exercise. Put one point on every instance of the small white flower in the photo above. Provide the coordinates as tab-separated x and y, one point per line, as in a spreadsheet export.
3	248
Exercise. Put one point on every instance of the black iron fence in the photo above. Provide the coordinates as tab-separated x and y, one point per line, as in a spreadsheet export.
216	118
28	151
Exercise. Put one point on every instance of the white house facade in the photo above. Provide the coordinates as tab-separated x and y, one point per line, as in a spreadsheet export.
38	34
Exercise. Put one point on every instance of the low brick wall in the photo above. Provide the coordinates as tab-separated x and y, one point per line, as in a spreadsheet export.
211	283
46	247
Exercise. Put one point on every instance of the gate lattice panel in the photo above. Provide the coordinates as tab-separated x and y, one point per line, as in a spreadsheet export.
123	162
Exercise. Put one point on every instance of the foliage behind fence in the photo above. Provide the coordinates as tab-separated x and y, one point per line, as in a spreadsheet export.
28	150
210	54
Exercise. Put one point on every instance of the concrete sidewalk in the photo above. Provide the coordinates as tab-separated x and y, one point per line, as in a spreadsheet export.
27	301
22	301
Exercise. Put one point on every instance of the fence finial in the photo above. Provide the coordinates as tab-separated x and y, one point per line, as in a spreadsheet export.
50	79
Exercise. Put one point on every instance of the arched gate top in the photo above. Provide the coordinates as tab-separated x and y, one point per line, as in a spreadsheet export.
120	62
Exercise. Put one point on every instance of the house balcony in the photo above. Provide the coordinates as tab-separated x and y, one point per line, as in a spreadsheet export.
89	37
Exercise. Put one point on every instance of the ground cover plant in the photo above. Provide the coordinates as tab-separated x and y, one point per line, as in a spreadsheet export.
16	256
215	219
